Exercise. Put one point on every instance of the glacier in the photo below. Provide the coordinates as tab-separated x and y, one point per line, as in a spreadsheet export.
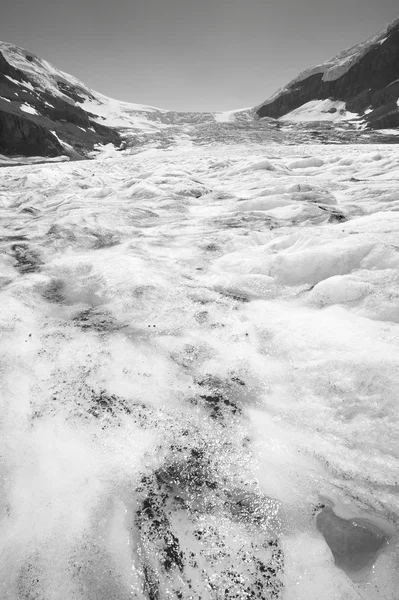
199	391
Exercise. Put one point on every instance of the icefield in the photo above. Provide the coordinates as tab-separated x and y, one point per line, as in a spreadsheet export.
200	375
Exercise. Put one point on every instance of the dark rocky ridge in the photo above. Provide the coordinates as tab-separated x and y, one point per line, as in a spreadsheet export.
22	136
372	83
27	134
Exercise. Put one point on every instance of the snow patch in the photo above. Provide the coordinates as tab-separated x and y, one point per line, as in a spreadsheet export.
105	151
27	108
389	131
113	113
65	144
13	80
320	110
227	116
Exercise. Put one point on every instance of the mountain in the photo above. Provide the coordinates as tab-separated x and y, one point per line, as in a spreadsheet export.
46	112
360	83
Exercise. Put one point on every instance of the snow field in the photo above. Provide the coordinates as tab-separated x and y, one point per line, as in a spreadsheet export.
210	336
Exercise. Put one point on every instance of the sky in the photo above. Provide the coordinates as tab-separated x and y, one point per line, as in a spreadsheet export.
194	55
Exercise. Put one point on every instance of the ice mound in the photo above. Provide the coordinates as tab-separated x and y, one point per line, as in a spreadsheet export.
305	263
339	289
306	163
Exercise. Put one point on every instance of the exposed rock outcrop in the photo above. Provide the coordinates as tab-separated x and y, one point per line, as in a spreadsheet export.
21	136
366	78
42	117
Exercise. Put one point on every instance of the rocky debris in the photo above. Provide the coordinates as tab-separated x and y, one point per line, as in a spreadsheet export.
27	260
107	404
198	534
96	319
219	397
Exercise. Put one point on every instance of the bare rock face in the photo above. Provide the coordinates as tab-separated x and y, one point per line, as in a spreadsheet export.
38	118
369	87
21	136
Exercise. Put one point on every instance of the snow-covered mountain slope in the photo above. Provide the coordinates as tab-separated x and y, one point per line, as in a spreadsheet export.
43	77
44	111
40	109
362	83
199	375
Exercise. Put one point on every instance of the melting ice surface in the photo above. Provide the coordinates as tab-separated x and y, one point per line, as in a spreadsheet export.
199	345
354	543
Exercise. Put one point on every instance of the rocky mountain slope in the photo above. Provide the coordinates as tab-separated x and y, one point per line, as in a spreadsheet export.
360	83
42	109
46	112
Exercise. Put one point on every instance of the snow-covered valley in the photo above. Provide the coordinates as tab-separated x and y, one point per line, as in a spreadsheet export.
200	375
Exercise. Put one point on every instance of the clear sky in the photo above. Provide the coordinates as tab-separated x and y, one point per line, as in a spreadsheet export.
190	54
